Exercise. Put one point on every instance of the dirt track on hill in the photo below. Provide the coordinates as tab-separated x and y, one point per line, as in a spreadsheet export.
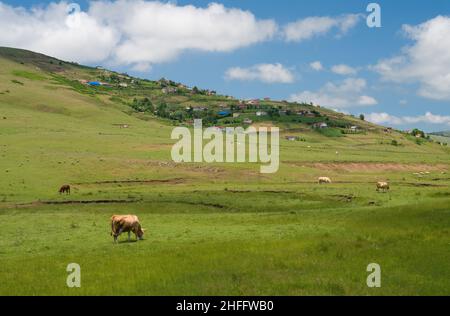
369	167
161	181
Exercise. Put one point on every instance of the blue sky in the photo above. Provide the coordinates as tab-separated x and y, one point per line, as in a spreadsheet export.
398	76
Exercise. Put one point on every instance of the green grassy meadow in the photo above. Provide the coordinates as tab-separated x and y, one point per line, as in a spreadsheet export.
211	229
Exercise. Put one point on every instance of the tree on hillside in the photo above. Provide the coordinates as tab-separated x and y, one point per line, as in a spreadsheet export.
273	112
144	105
162	110
417	132
362	117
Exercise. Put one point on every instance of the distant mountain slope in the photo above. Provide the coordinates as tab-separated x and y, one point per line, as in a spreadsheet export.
444	133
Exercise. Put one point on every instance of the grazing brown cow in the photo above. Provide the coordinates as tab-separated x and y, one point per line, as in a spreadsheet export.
65	189
126	224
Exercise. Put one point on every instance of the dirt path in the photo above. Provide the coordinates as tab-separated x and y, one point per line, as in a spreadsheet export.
370	167
71	202
162	181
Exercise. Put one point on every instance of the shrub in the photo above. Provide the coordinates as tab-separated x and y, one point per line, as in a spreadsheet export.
144	105
330	132
17	82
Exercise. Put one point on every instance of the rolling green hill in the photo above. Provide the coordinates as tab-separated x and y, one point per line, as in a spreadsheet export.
211	228
441	137
445	133
166	99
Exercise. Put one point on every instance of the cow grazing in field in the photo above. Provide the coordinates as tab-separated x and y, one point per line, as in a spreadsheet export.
383	186
324	180
126	224
64	189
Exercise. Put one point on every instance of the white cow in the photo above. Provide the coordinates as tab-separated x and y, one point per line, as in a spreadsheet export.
383	186
324	180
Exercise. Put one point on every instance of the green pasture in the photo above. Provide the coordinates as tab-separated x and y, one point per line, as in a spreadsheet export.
211	229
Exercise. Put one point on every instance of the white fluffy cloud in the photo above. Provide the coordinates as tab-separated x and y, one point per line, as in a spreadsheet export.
135	33
344	70
316	65
51	31
428	118
383	118
268	73
348	93
366	100
316	26
427	61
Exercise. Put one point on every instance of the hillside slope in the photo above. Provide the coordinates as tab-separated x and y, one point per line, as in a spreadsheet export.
173	101
56	129
54	125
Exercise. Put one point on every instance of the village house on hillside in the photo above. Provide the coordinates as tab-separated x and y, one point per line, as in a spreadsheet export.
253	102
242	106
95	83
305	113
320	125
292	138
261	113
224	113
169	90
122	125
199	108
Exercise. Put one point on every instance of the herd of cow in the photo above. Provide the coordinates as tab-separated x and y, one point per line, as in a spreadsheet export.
130	223
381	186
119	223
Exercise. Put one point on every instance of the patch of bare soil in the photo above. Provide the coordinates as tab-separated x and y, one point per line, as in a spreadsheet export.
160	181
153	147
345	198
257	191
183	166
369	167
213	205
421	184
89	202
40	203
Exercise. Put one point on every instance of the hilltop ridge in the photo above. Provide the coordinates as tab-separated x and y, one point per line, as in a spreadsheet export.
181	104
171	103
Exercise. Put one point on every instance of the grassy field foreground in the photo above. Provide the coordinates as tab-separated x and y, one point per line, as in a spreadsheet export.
201	252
